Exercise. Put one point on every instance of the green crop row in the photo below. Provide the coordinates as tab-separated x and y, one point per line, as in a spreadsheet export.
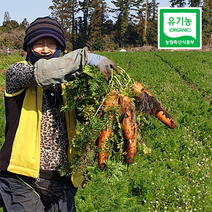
176	175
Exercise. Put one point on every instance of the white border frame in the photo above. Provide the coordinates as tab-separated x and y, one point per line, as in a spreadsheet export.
180	8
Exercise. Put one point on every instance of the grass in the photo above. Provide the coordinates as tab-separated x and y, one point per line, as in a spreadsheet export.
177	175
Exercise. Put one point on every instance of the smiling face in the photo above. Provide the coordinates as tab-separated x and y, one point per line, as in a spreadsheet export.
44	46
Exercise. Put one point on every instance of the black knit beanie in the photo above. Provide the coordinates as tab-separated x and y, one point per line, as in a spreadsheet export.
44	27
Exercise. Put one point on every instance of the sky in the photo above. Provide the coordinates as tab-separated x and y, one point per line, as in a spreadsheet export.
31	9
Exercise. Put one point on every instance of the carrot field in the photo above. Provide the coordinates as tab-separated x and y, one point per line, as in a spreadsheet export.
172	171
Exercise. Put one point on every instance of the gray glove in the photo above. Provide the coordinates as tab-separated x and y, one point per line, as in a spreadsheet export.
103	64
60	70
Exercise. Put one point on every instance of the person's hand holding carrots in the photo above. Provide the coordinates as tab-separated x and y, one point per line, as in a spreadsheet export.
103	64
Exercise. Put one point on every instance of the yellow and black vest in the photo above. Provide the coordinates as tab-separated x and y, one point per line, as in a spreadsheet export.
20	153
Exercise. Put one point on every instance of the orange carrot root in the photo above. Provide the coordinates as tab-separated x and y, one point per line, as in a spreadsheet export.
103	147
127	123
131	147
125	103
111	101
167	121
157	110
126	114
138	88
129	128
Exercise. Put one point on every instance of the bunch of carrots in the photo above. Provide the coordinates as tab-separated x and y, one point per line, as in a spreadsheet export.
111	112
128	120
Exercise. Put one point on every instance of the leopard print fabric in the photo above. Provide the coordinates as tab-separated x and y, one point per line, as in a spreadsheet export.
19	76
54	139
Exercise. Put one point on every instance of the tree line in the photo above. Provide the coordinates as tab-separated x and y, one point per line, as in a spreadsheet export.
92	23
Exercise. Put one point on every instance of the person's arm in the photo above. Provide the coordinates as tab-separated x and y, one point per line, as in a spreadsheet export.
19	76
60	70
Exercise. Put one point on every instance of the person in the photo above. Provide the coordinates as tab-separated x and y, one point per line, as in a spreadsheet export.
8	52
23	53
37	134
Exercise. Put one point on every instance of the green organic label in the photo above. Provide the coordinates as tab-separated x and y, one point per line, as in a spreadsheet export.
180	28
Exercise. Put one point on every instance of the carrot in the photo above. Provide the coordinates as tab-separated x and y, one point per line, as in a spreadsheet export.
167	121
157	109
127	125
126	117
124	101
103	147
111	101
131	145
129	128
138	88
164	117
